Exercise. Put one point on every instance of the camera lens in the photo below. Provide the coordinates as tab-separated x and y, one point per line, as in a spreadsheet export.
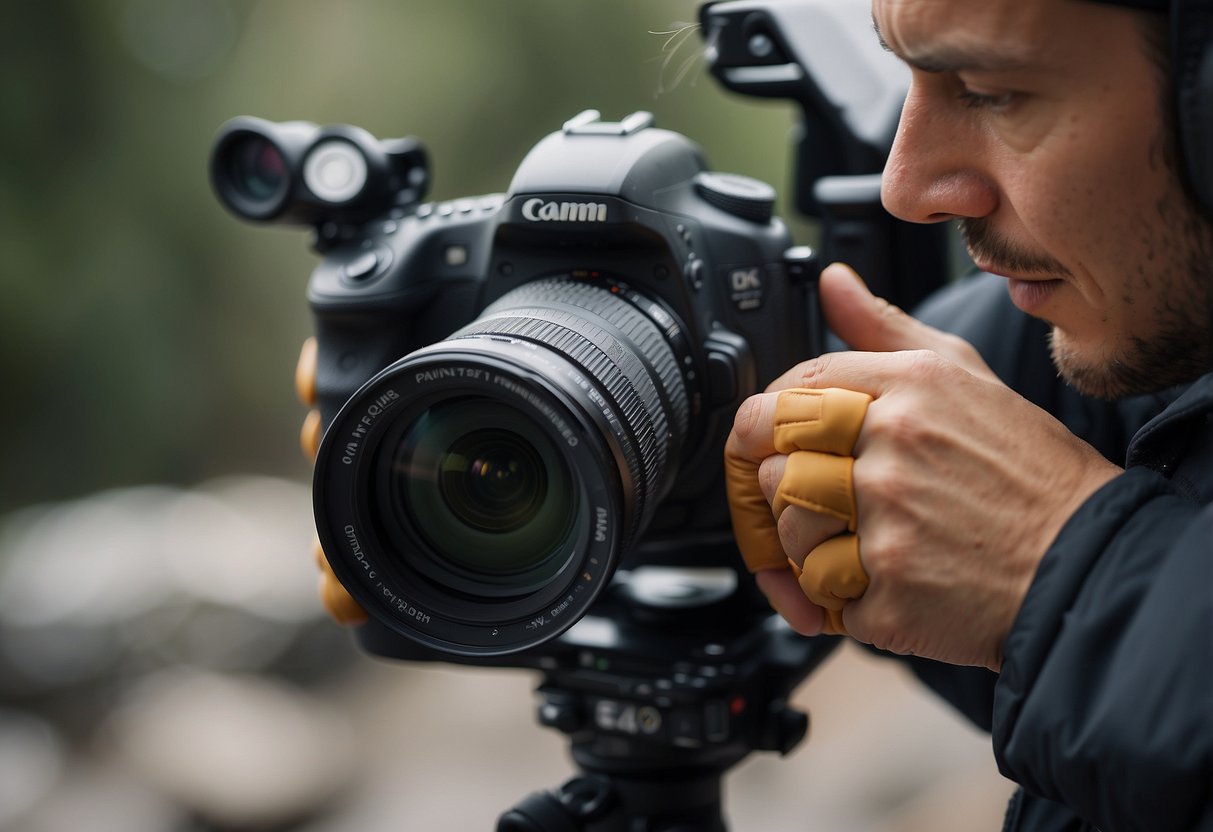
478	494
256	168
489	493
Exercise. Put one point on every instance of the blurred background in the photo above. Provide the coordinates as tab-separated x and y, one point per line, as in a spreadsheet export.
164	664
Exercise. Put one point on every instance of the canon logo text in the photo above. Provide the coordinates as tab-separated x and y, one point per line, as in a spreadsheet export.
536	210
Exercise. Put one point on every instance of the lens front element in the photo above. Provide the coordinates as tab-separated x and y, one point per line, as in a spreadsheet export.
486	489
257	170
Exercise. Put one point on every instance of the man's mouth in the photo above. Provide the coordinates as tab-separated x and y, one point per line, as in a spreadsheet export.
1032	295
1029	292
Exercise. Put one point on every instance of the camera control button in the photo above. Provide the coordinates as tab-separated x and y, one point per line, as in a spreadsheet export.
716	721
455	255
686	728
364	266
694	271
743	197
361	267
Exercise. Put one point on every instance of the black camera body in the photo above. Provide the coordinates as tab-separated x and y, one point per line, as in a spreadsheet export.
524	392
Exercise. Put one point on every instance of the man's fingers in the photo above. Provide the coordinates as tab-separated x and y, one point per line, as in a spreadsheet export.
753	436
786	598
753	524
800	529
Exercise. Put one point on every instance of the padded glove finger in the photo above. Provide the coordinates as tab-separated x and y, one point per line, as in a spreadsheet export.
337	601
833	574
818	482
827	420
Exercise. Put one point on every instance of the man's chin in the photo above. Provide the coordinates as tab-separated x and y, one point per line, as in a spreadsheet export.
1088	374
1150	366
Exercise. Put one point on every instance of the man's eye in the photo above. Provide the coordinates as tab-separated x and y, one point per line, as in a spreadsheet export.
982	101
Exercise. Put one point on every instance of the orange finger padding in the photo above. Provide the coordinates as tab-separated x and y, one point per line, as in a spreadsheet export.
309	436
833	573
827	420
305	373
339	603
818	482
753	524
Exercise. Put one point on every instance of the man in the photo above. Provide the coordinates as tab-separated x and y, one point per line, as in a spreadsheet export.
904	495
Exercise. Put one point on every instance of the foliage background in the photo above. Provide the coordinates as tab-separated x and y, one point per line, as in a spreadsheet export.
146	335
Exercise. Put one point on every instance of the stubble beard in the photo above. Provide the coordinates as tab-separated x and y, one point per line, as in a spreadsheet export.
1180	347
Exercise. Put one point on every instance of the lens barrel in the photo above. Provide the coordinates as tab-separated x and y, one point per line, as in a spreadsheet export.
477	495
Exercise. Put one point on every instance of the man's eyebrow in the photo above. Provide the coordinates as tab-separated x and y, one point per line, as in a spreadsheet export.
954	59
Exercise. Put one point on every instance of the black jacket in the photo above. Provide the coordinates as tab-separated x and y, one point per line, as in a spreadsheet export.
1103	711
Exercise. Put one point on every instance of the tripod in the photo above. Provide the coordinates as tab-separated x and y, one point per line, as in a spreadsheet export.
658	708
661	689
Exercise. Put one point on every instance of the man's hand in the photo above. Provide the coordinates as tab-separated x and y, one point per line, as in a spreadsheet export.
960	485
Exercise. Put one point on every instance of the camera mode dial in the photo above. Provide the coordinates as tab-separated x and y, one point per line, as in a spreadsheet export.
741	196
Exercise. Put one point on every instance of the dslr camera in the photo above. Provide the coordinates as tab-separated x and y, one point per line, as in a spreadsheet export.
526	393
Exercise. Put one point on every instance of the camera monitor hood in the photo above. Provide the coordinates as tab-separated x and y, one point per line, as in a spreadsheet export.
821	54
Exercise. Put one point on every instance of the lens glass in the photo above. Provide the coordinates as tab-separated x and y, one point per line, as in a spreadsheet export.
485	487
493	480
257	169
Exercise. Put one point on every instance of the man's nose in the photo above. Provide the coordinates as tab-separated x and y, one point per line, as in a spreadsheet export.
935	171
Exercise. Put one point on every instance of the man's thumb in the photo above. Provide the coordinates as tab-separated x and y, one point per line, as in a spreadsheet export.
865	321
871	324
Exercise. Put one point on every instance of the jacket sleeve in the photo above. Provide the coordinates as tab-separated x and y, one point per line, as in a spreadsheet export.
1105	700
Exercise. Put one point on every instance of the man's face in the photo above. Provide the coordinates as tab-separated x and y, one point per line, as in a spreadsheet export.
1039	125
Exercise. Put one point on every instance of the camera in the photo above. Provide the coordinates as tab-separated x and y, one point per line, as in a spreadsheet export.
525	392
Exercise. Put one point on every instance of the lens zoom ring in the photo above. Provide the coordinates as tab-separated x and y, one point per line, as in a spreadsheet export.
630	321
658	370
